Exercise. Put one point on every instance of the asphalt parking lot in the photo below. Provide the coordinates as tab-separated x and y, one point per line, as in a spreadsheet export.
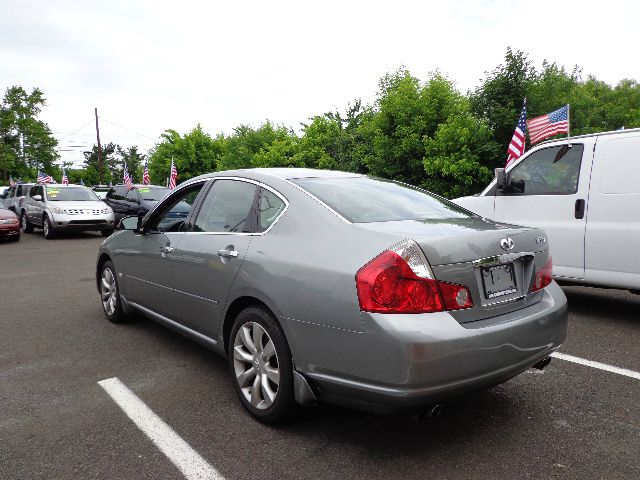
56	421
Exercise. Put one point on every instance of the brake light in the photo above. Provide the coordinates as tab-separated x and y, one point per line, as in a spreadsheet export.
399	280
543	276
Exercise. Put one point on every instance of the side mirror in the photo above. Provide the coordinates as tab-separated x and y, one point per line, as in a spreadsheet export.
501	178
37	198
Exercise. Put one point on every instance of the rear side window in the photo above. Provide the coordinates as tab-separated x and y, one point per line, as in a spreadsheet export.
366	199
227	208
550	171
270	206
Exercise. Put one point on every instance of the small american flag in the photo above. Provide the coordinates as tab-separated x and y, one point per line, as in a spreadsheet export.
65	180
145	175
44	178
173	176
549	125
126	178
12	182
516	147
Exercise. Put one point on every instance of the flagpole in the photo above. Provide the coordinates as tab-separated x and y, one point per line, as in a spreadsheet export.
568	127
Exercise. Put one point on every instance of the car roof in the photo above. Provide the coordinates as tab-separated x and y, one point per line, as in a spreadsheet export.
140	185
295	173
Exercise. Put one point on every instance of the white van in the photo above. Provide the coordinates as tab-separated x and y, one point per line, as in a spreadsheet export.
587	198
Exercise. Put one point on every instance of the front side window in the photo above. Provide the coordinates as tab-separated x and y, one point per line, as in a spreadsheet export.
550	171
173	216
270	206
227	208
37	190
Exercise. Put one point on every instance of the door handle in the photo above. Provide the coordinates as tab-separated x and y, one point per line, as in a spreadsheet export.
228	253
579	209
166	249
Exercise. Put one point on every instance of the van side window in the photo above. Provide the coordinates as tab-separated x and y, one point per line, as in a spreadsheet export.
550	171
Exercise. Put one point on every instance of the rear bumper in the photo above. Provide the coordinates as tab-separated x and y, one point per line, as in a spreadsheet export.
10	230
409	361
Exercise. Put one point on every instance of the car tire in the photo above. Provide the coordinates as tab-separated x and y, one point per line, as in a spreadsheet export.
110	293
106	233
27	226
262	375
17	238
47	228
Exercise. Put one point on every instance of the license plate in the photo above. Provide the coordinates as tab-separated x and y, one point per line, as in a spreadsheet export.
499	281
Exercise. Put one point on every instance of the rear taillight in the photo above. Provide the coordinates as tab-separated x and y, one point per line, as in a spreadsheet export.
399	280
543	276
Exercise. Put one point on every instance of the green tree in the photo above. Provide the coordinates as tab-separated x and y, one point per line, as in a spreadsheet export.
110	165
194	153
407	112
499	97
458	156
26	143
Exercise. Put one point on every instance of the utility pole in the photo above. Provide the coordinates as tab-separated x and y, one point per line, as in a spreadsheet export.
99	149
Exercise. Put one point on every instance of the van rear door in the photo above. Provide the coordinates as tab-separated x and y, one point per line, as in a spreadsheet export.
549	189
613	228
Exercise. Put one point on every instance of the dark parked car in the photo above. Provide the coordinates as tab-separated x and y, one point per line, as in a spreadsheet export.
9	225
337	287
140	199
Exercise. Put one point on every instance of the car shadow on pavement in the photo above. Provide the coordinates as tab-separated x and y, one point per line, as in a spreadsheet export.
598	302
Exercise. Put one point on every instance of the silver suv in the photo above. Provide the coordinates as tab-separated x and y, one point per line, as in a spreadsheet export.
56	208
12	198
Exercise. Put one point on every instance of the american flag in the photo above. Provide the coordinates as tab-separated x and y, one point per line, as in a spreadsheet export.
516	147
549	125
145	175
126	178
44	178
12	182
173	176
65	180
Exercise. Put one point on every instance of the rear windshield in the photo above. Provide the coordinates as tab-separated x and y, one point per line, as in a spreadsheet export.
74	194
366	199
148	193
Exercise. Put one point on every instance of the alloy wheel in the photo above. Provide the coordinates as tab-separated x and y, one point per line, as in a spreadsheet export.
255	364
45	227
24	222
108	291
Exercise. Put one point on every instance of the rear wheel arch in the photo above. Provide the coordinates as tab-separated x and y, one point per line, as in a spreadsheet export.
238	305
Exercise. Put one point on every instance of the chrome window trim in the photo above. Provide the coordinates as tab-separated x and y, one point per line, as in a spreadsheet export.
259	184
311	195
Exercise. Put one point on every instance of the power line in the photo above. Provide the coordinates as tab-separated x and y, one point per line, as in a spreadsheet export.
129	129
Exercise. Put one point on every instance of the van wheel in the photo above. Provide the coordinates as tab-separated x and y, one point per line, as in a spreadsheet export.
27	227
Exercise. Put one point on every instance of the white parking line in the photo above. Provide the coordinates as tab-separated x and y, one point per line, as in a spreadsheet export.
598	365
188	461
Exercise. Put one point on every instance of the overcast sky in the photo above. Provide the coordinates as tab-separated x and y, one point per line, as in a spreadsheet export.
152	65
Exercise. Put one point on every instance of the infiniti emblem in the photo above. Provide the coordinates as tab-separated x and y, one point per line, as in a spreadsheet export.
506	243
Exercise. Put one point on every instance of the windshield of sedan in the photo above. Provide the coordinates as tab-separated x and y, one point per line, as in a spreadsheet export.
73	194
148	193
366	199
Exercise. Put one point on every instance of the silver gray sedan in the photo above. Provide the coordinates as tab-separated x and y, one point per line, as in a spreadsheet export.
337	287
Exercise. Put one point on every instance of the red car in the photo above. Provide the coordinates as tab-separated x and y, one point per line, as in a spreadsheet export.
9	225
